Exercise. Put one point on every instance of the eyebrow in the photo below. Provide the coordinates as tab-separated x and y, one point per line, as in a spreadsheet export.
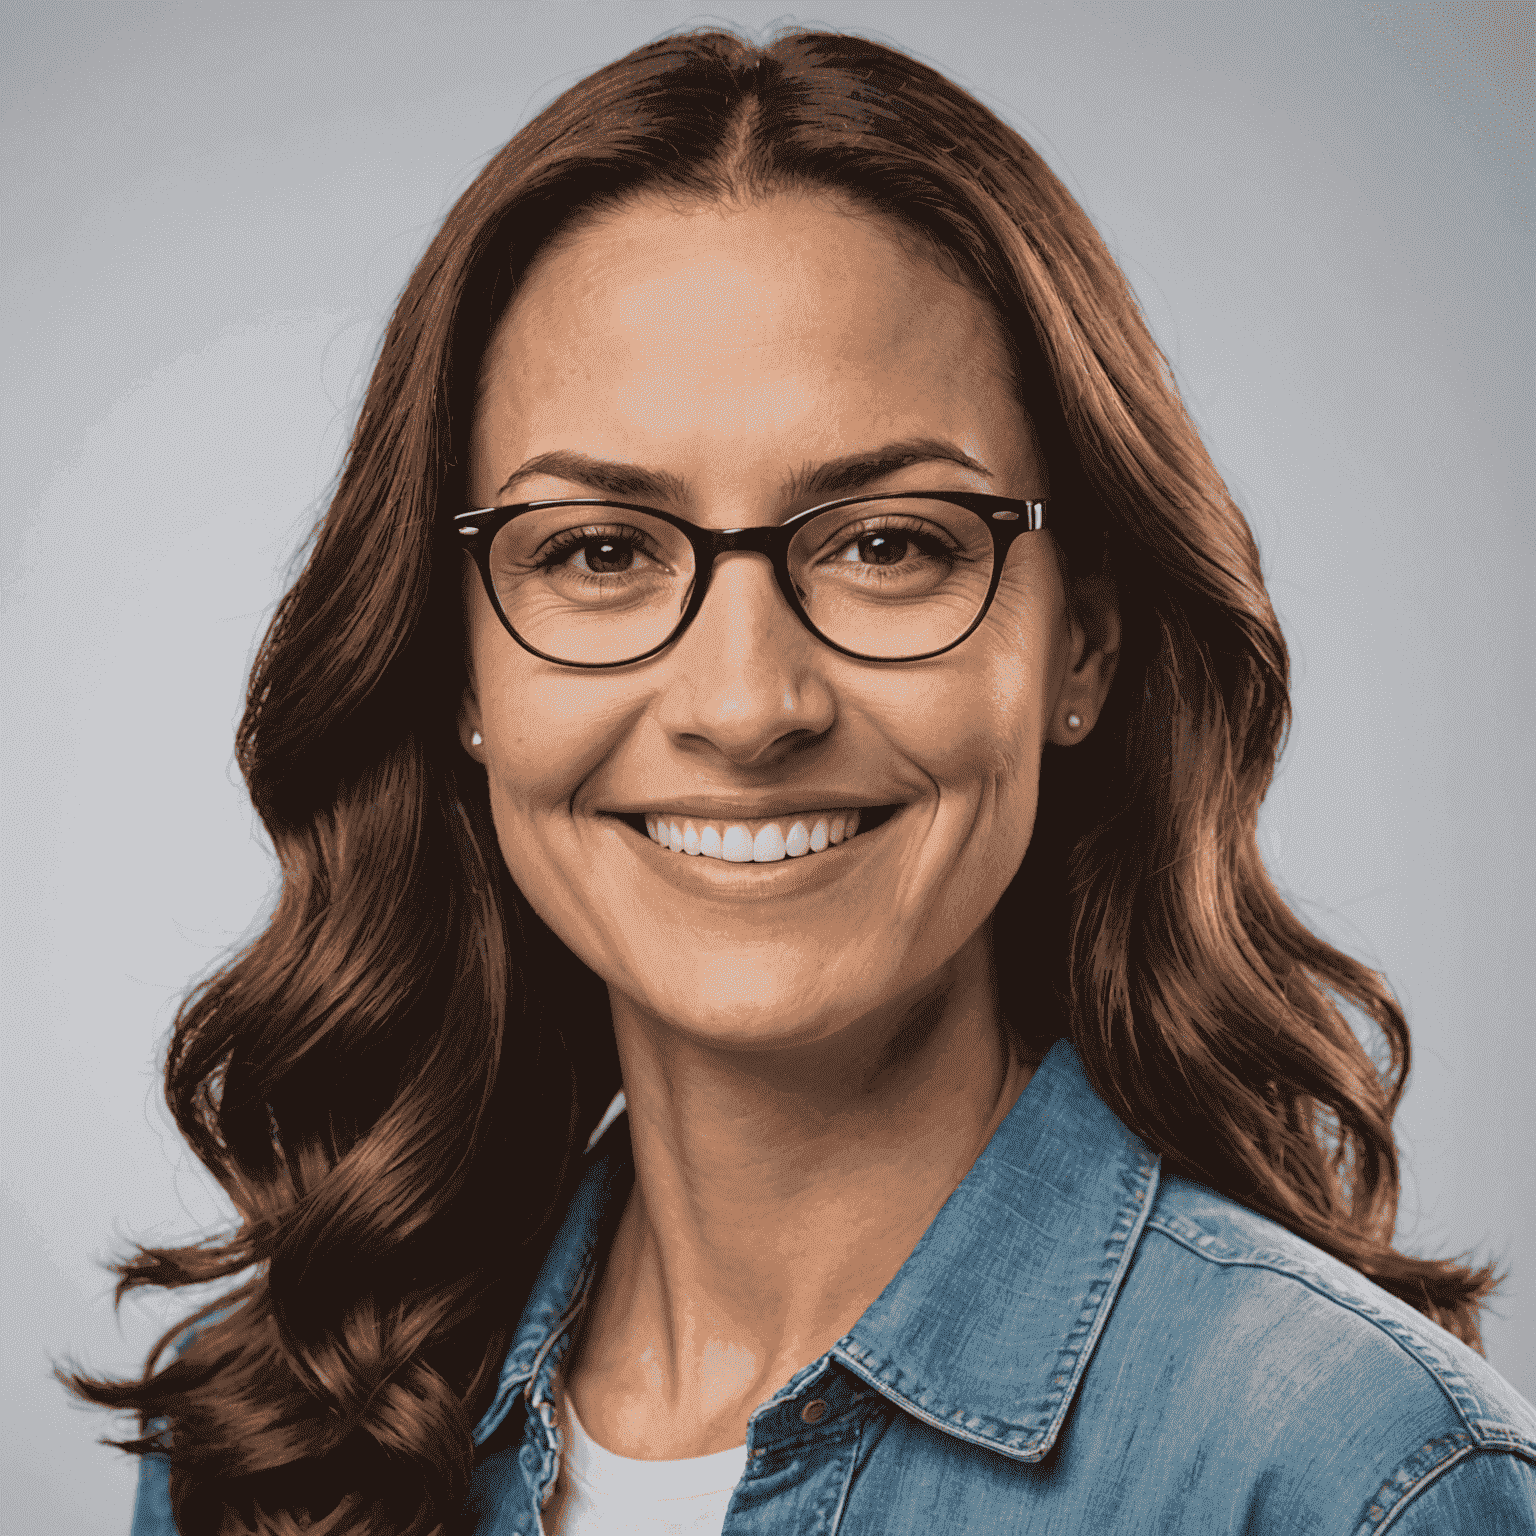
851	472
605	475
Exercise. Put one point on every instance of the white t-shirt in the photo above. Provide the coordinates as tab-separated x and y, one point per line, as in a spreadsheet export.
601	1494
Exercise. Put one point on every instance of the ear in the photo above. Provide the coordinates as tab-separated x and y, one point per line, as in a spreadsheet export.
471	733
1093	625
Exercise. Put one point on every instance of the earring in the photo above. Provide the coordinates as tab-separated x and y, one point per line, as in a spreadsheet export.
1073	721
475	738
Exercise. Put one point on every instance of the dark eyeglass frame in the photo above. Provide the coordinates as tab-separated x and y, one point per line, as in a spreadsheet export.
1005	516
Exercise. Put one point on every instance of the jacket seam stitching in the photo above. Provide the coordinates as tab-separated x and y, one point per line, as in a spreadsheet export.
848	1458
894	1395
1131	1222
1374	1525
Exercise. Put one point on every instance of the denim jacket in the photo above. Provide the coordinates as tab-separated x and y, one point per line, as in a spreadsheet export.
1079	1343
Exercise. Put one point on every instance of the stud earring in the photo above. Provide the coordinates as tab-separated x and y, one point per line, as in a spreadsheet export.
1073	721
475	738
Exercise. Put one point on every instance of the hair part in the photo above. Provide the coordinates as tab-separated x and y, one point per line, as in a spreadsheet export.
363	1076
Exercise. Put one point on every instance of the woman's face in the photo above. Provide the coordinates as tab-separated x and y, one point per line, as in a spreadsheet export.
708	362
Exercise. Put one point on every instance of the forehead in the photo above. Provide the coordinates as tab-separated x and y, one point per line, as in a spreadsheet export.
795	325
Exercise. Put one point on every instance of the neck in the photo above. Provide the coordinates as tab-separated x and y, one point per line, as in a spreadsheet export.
776	1194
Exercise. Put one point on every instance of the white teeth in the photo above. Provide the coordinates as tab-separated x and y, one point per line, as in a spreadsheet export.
736	844
768	845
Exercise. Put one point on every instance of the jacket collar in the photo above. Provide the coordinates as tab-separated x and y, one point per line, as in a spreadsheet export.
987	1328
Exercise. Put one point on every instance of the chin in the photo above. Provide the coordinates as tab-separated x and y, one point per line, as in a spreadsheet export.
734	1006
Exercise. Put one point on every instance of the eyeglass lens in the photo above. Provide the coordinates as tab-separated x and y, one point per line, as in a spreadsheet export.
886	579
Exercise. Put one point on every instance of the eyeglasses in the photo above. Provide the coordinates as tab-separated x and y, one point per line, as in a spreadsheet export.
896	577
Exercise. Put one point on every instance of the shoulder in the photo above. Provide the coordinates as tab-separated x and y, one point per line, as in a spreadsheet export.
1485	1493
1239	1270
152	1515
1275	1344
152	1499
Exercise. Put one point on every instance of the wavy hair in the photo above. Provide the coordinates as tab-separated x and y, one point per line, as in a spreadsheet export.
406	1047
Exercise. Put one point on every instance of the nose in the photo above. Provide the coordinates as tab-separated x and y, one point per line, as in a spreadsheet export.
749	680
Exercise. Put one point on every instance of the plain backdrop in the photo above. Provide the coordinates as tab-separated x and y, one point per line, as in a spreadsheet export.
208	212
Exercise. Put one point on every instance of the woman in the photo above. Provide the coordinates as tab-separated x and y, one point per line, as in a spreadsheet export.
843	726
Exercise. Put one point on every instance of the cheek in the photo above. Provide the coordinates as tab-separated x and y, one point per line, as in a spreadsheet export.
975	721
546	730
540	742
970	735
544	740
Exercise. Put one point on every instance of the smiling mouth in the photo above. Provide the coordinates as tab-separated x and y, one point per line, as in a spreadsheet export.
759	841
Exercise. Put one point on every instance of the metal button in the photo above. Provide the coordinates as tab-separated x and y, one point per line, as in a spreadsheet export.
814	1411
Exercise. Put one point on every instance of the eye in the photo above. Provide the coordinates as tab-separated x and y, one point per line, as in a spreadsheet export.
605	555
595	552
884	546
891	545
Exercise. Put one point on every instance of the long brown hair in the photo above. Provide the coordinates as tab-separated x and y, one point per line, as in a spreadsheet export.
391	1080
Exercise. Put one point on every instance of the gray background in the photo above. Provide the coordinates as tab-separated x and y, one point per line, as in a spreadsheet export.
208	211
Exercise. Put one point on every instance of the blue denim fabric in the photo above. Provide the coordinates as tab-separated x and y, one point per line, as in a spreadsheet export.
1077	1344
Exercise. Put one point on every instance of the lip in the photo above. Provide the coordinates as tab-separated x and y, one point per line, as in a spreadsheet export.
773	881
759	808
